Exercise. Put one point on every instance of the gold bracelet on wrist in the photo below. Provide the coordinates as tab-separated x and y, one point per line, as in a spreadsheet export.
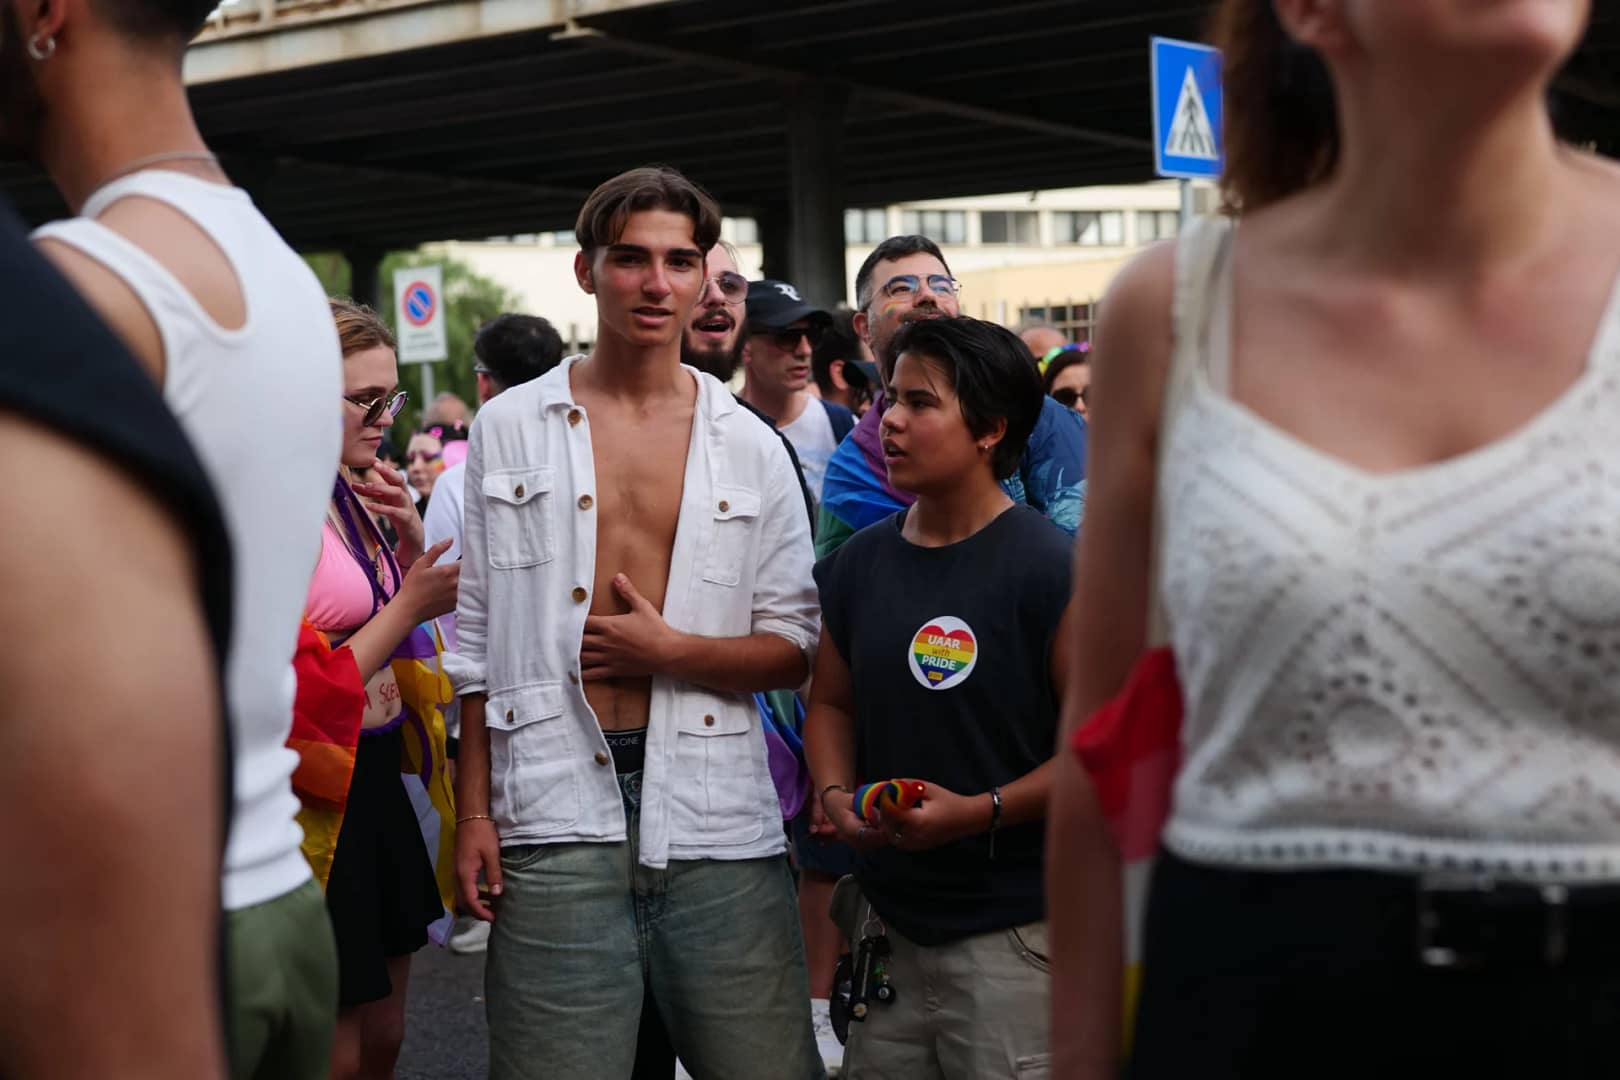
473	817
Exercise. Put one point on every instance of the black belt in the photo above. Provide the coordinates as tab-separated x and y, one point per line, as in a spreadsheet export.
1473	923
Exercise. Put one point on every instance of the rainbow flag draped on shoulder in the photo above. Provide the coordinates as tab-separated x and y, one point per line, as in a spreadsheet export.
857	493
326	730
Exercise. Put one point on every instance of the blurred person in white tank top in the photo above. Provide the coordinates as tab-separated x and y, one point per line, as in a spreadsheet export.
235	330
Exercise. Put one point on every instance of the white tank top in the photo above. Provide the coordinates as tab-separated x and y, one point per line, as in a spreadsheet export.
1408	671
262	406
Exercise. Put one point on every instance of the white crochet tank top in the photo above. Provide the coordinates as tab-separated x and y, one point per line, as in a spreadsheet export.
1406	671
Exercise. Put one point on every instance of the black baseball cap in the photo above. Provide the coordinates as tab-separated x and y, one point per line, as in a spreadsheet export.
867	369
776	305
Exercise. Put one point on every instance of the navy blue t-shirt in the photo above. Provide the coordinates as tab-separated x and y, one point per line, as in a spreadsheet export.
949	651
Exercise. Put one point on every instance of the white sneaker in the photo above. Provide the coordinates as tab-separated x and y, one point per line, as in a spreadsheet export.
832	1051
474	938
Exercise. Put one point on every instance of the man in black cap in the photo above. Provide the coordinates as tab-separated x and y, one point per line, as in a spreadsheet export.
782	334
714	340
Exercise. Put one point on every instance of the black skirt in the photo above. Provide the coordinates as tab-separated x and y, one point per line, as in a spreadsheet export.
381	894
1323	974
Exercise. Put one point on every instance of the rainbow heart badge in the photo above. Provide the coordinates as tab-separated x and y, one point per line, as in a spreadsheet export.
943	653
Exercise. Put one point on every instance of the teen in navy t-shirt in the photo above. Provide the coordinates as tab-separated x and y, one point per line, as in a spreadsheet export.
936	664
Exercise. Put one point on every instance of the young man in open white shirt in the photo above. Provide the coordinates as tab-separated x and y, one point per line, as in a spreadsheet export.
636	562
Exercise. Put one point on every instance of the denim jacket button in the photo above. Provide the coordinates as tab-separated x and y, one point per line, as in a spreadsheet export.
602	758
708	721
579	595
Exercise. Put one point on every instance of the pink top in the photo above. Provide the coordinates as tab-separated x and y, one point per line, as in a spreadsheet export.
340	598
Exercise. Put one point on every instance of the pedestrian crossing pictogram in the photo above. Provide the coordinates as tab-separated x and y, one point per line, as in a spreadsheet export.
1191	134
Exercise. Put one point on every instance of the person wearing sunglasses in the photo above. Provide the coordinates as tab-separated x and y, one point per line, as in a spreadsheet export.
715	337
783	331
718	333
1068	375
369	722
425	458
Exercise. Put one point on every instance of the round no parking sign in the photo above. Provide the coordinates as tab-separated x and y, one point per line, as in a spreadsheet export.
420	303
419	313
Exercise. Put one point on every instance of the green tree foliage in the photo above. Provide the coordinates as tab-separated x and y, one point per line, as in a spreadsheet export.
470	300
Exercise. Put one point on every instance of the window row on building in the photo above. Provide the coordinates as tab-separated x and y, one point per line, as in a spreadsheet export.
1021	228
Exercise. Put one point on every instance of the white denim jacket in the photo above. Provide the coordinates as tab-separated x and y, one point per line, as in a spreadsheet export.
741	565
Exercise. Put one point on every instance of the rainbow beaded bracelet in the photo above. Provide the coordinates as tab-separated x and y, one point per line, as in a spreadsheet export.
887	795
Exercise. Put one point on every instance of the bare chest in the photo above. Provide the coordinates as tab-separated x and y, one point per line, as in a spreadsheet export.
640	481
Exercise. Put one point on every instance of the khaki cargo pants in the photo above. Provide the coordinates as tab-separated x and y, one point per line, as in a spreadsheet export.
976	1009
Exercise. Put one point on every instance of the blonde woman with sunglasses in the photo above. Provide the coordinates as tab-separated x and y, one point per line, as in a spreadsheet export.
364	837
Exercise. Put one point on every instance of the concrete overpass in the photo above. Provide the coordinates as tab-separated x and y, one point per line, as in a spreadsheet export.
370	125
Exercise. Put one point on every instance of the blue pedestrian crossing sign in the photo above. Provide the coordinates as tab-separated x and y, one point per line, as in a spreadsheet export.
1186	109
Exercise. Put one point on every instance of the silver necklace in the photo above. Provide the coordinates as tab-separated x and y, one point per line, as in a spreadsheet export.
202	156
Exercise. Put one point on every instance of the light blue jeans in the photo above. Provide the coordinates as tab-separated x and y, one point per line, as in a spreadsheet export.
583	930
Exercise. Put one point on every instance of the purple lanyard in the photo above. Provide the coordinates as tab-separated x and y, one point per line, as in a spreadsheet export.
346	499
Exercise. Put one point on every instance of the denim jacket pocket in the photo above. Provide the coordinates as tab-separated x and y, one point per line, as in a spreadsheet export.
736	520
714	788
533	775
518	517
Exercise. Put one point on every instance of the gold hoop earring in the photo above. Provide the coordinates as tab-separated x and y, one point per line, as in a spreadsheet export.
41	52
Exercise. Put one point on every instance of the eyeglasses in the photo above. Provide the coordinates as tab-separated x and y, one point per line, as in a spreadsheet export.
788	338
423	456
1066	396
732	285
911	284
390	404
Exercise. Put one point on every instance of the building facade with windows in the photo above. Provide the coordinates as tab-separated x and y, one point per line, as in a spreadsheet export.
1023	256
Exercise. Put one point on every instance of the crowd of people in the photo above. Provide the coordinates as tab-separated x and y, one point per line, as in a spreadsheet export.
738	686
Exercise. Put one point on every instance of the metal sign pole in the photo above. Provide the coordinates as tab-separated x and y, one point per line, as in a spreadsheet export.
427	388
1186	203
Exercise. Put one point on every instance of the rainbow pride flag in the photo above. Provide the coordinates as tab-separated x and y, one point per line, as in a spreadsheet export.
326	730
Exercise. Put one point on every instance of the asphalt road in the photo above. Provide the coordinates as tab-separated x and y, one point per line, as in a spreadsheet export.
445	1036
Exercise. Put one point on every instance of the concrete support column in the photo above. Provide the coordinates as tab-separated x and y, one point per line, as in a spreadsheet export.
816	191
365	264
772	221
